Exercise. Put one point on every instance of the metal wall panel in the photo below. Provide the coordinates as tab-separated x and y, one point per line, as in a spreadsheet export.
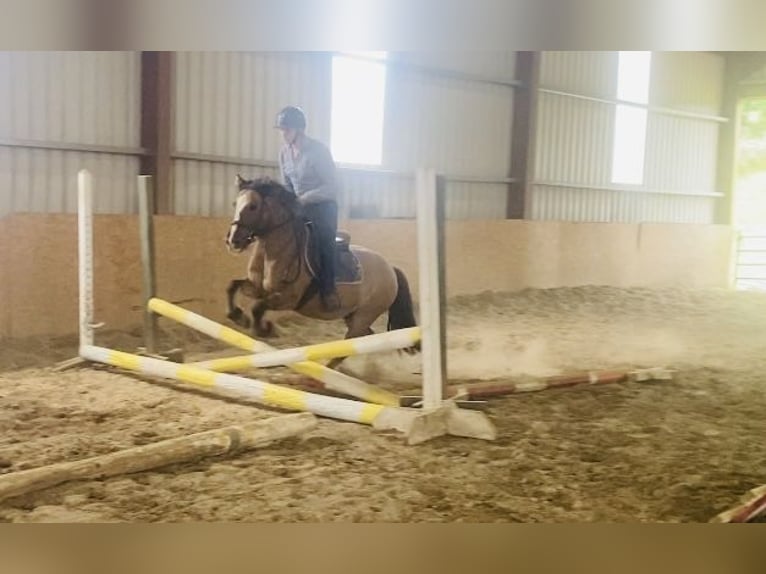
45	181
72	97
574	140
574	204
688	81
208	188
476	200
370	196
454	126
225	105
83	98
586	73
489	64
681	154
226	102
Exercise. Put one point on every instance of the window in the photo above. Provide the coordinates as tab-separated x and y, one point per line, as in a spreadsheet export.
358	99
630	121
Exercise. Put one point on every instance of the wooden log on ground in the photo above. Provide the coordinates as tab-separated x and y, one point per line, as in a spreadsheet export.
163	453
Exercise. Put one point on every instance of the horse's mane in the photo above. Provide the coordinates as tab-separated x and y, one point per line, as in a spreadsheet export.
268	187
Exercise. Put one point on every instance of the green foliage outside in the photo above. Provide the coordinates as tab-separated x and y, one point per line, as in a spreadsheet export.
752	138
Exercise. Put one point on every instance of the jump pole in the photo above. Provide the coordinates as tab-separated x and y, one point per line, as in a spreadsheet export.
752	505
438	416
379	342
84	266
334	380
376	415
85	254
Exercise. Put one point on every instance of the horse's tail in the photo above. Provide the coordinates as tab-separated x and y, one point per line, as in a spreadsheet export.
401	313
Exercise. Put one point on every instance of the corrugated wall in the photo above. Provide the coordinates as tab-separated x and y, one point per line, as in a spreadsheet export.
594	205
587	73
226	102
78	100
573	151
458	121
573	140
486	64
681	154
459	125
208	188
687	81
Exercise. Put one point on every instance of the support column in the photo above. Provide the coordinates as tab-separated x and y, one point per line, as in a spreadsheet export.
523	134
157	125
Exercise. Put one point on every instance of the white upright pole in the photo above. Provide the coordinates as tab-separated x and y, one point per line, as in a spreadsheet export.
85	254
430	224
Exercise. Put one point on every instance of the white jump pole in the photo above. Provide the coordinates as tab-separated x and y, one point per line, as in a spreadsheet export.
85	254
262	392
439	416
431	279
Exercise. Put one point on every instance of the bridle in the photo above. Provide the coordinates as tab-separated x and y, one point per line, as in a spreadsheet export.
254	232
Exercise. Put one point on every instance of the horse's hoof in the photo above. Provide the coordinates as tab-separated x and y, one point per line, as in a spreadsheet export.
265	330
238	317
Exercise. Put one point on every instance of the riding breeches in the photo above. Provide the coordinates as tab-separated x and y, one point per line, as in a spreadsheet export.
324	222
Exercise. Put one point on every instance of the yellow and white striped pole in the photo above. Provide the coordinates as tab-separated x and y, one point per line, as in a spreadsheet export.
333	380
388	341
206	326
260	391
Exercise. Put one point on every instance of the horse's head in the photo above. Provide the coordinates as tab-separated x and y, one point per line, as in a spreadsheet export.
262	205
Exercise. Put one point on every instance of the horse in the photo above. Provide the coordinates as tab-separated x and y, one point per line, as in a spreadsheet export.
282	268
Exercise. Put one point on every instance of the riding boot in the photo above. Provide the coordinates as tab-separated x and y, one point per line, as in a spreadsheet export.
324	222
327	290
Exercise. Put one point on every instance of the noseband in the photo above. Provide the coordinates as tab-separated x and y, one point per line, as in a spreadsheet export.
254	231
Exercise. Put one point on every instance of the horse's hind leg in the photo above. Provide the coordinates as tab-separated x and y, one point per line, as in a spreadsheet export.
232	311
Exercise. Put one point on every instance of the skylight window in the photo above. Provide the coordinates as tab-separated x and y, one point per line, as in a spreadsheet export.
358	101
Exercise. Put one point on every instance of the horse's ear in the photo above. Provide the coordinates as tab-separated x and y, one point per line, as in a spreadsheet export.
240	180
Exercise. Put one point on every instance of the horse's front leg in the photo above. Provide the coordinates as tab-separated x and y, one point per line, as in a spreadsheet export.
262	328
232	311
251	287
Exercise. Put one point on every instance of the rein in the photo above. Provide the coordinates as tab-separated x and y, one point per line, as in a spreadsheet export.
299	236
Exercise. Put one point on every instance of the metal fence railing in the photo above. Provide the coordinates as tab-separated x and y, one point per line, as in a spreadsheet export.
751	259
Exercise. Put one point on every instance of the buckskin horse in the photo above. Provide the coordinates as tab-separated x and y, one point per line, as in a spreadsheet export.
282	268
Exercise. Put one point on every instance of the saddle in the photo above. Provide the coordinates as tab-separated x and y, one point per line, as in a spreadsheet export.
348	270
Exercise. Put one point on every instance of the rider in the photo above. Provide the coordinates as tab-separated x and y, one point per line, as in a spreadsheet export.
308	170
